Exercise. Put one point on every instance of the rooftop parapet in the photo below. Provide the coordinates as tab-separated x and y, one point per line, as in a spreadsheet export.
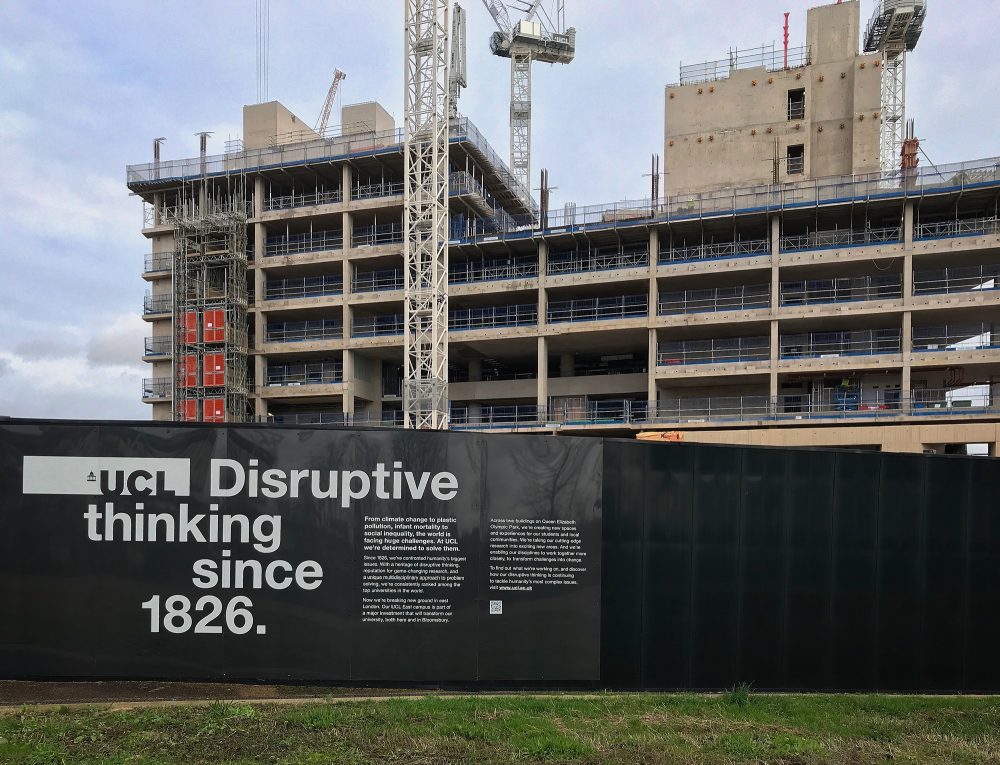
770	57
766	197
331	146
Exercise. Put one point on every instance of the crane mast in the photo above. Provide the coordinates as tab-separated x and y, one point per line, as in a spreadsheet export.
425	214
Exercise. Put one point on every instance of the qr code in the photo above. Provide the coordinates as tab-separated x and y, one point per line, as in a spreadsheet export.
496	607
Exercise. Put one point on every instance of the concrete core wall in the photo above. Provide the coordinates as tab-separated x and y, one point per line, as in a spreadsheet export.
727	132
264	123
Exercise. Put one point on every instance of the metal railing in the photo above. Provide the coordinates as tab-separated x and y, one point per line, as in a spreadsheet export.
955	337
715	251
598	309
717	299
372	236
377	281
955	228
294	200
491	270
462	183
156	304
158	346
377	190
796	110
158	262
314	373
377	326
303	148
771	57
157	387
795	164
959	279
830	405
318	241
850	289
821	240
717	351
304	331
492	317
867	342
306	287
499	416
385	419
762	197
598	259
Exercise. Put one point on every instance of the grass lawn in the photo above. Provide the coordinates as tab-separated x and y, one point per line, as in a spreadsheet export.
737	727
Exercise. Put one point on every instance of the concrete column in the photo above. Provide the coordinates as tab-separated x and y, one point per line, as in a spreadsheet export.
346	181
348	381
475	370
542	399
347	274
908	225
259	316
260	376
907	278
348	230
775	274
775	357
377	367
906	342
157	207
651	364
567	366
543	298
654	288
258	197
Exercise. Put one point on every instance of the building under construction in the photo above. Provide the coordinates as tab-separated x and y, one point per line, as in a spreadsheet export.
797	283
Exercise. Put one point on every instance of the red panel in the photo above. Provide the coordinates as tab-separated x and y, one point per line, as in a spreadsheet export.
188	373
215	410
214	330
190	411
189	327
214	375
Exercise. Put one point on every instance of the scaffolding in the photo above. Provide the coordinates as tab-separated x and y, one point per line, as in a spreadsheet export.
210	343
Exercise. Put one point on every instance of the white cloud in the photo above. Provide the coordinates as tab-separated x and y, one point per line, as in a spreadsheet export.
119	344
87	86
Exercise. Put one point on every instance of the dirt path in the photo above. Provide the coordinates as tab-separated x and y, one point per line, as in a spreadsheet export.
136	694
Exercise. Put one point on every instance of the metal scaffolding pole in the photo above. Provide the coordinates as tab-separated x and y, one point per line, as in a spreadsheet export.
210	344
425	218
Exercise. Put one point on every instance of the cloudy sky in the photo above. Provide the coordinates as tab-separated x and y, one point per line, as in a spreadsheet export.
85	87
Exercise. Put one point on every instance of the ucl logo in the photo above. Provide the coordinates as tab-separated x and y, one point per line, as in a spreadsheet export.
107	476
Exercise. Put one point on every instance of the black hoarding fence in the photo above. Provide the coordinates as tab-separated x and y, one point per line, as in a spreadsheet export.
456	559
799	569
298	554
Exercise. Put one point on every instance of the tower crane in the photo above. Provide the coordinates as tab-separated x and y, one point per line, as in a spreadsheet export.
540	36
894	30
324	117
